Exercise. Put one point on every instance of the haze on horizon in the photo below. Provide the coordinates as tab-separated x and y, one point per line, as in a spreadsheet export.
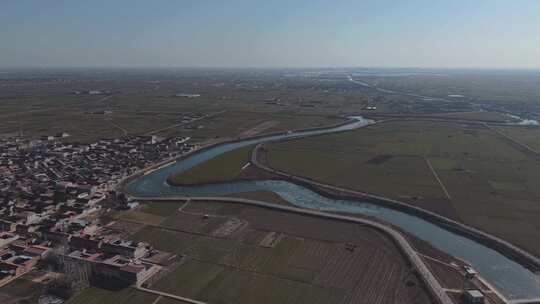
281	33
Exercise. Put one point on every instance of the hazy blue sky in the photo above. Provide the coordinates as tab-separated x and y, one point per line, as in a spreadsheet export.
271	33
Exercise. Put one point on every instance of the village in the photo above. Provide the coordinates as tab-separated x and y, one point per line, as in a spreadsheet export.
52	194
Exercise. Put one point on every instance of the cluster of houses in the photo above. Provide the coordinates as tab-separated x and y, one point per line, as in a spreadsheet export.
50	192
92	252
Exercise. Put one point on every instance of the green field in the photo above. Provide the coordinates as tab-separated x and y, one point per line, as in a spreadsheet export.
297	268
162	209
85	127
94	295
217	284
165	240
139	108
137	216
225	167
480	115
527	135
232	124
491	184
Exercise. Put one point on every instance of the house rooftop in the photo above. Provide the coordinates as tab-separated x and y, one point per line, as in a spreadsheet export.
474	293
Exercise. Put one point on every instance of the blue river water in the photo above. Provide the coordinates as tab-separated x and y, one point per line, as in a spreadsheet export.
511	279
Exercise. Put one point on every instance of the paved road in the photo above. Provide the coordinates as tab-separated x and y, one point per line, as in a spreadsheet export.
434	286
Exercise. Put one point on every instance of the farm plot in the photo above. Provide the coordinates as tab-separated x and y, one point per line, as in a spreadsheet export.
245	257
312	255
215	284
163	209
193	222
140	217
307	260
277	257
121	226
252	236
102	296
189	279
343	267
217	209
271	239
265	289
165	240
228	228
379	281
210	249
279	261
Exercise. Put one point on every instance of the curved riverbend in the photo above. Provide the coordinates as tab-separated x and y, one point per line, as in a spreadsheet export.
514	281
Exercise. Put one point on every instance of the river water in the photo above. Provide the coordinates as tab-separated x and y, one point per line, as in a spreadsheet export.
511	279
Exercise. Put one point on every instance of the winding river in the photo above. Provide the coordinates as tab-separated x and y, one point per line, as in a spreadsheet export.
512	280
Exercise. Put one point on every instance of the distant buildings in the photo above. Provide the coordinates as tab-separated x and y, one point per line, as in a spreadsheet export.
112	259
115	267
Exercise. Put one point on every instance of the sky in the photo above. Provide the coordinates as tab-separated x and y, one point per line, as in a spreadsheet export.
276	33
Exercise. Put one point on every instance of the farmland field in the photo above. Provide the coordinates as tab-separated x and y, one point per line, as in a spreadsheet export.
222	168
137	216
529	136
136	107
162	209
101	296
491	184
278	257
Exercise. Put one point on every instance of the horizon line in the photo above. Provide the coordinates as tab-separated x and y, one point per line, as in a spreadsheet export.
194	67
